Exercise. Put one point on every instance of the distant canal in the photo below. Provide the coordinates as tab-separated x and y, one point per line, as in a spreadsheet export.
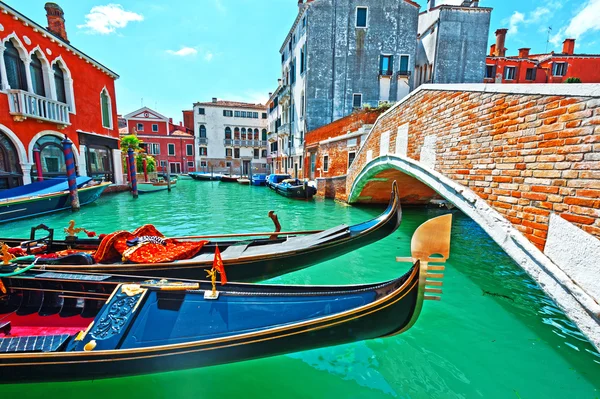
494	334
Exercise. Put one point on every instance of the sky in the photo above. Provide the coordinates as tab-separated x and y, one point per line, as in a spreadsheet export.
170	54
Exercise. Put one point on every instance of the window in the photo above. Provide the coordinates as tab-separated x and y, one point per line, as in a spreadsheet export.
51	155
300	161
255	115
351	156
236	133
243	133
190	165
301	136
293	72
490	71
228	133
163	164
228	164
202	131
227	113
357	100
559	69
203	151
403	65
530	74
386	65
243	114
201	111
228	153
59	82
361	17
325	163
236	153
37	76
203	164
153	148
256	134
189	150
15	68
264	115
171	149
256	153
509	73
263	153
175	167
154	127
139	127
264	135
106	109
237	114
303	59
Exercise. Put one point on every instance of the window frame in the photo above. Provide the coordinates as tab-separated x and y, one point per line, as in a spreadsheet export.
493	69
354	102
407	71
390	70
201	111
20	69
350	162
506	72
109	105
366	17
139	127
563	67
530	76
155	130
326	163
169	149
203	152
189	150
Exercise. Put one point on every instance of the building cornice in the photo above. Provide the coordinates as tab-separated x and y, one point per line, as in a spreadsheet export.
6	9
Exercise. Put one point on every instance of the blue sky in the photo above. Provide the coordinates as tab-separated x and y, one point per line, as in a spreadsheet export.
174	53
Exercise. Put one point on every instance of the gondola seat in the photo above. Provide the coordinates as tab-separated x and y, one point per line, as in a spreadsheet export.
47	343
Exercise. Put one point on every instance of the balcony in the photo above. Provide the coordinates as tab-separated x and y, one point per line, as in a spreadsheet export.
284	94
203	140
284	130
272	137
25	105
402	74
228	142
253	143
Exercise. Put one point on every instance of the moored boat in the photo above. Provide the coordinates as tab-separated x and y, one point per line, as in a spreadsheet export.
230	178
152	187
291	188
244	181
46	197
79	327
247	259
205	176
259	180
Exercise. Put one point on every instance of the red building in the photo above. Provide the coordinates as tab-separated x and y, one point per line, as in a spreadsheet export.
540	68
171	145
49	89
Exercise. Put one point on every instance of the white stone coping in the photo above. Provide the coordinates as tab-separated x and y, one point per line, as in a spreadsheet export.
571	298
344	137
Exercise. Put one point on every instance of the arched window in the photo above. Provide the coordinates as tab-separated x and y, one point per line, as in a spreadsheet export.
52	157
264	135
106	109
228	133
236	133
243	133
37	75
15	68
202	131
10	169
59	82
256	134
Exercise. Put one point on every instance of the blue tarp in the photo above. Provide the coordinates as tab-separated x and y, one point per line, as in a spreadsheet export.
44	187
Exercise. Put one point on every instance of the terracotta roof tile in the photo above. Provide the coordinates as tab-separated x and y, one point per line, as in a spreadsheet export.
232	104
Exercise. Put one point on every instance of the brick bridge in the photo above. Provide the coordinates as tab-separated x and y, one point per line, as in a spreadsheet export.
523	161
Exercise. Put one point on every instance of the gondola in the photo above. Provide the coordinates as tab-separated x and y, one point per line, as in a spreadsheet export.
291	188
46	197
247	260
229	178
205	176
65	327
153	187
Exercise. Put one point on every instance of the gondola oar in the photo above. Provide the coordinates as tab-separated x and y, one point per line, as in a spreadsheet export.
271	233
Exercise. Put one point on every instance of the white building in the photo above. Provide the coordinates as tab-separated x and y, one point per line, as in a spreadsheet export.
274	155
231	136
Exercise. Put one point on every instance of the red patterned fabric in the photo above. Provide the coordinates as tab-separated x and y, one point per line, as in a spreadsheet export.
114	248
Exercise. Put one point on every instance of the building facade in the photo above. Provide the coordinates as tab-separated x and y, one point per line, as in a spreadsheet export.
231	136
172	146
452	43
539	68
49	89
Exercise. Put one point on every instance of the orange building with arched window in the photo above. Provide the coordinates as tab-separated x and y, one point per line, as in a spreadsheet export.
49	89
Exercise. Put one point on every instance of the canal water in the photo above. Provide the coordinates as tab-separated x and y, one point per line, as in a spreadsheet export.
494	334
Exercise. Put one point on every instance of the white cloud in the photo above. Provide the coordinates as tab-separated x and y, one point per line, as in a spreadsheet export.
514	21
220	6
540	14
209	56
184	52
585	21
249	96
107	19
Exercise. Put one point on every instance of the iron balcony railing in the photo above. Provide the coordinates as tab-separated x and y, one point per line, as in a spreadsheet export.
284	93
23	104
245	143
284	129
228	142
272	137
202	140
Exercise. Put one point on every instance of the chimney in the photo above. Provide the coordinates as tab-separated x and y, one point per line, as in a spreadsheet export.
270	94
493	50
569	46
524	52
180	123
500	39
214	99
171	121
300	2
279	82
56	20
475	3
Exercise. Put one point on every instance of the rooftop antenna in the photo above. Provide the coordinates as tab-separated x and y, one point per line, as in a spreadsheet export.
548	40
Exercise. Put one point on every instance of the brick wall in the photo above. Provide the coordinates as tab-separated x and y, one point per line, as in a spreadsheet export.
527	155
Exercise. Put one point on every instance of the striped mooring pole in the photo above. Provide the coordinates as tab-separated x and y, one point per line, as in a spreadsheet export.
71	174
132	172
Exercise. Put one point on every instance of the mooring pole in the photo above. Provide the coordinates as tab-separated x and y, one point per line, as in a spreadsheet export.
212	172
250	172
38	164
145	166
71	174
169	179
132	172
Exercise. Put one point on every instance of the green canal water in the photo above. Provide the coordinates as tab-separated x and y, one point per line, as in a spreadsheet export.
494	334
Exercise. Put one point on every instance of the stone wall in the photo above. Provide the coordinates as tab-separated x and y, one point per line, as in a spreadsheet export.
528	151
333	187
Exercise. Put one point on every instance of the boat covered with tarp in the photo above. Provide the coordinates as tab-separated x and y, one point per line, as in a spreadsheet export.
47	196
205	176
290	187
147	252
57	326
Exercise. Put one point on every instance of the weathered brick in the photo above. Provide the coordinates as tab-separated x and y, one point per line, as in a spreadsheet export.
535	196
546	173
590	203
588	193
545	189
